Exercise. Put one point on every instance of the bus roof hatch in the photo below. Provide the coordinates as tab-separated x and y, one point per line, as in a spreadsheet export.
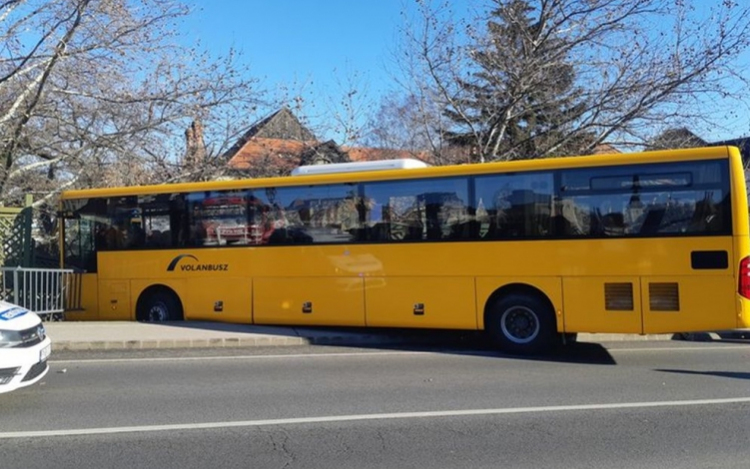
333	168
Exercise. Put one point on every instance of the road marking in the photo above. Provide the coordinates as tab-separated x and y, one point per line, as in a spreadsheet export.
360	354
681	349
361	417
237	357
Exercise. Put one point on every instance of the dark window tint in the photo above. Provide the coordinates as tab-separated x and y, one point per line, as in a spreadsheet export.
143	222
121	226
164	221
512	206
312	214
678	198
428	209
218	218
85	224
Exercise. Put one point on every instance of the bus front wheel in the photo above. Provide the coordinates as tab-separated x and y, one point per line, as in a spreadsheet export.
159	306
523	324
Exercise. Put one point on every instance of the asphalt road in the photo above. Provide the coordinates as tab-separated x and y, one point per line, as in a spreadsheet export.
625	405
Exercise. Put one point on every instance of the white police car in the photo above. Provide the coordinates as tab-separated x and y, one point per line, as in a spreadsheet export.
24	347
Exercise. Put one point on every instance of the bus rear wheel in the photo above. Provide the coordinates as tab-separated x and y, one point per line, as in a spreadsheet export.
159	306
522	324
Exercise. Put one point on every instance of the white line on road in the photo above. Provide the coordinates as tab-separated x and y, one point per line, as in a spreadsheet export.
681	349
352	418
236	357
358	354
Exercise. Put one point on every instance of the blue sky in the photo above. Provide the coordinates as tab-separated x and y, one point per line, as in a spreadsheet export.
317	47
289	39
320	49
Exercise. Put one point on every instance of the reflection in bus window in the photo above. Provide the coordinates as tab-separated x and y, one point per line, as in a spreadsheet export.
515	205
311	214
428	209
646	200
218	218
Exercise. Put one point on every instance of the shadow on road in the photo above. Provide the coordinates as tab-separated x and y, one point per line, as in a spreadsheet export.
721	374
732	337
476	344
456	342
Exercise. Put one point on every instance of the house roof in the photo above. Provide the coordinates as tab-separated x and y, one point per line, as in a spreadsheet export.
374	154
605	149
677	138
281	125
257	149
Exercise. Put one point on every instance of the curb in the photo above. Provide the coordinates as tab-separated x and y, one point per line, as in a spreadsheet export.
349	339
242	342
235	342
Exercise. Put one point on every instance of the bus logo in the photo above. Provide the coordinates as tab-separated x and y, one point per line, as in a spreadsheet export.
195	267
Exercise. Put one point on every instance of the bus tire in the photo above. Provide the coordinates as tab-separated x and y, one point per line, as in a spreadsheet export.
522	324
159	306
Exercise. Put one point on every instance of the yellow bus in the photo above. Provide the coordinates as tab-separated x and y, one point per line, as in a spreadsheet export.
529	251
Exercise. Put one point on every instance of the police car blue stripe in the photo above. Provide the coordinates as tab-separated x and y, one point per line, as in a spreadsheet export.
12	313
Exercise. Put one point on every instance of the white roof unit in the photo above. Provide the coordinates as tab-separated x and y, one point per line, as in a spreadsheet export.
334	168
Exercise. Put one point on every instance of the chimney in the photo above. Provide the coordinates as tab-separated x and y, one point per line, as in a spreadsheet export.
195	152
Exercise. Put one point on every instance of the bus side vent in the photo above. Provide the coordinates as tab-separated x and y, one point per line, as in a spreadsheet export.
664	297
618	296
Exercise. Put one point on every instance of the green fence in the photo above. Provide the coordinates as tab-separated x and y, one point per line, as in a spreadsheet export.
15	235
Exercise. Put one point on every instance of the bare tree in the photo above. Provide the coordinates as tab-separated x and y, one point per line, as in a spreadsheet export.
99	93
532	78
399	123
347	106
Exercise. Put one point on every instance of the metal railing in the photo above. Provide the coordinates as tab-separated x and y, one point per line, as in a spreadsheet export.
47	292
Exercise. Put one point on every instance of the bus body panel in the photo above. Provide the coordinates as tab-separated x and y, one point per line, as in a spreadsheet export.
114	300
697	303
421	302
218	298
602	304
324	301
504	262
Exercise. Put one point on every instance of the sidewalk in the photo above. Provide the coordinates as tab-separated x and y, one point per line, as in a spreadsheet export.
179	335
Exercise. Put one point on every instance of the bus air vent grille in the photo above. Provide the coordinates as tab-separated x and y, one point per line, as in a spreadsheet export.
618	296
664	296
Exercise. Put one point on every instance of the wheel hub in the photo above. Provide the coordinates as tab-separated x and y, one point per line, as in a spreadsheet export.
158	313
520	324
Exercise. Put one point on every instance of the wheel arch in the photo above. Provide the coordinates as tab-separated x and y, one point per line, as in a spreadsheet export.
152	290
517	289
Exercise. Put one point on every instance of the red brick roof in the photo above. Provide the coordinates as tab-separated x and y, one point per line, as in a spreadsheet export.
261	149
604	149
373	154
287	153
